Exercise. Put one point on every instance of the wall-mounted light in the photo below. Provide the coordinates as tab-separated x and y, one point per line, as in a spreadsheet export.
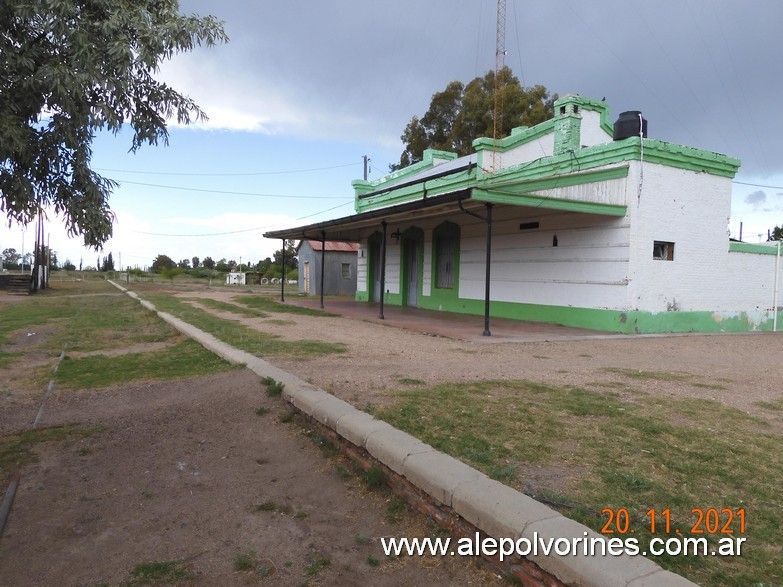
396	235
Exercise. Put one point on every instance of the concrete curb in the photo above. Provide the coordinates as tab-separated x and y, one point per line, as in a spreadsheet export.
494	508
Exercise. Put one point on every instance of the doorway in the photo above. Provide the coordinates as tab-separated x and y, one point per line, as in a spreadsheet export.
412	246
375	267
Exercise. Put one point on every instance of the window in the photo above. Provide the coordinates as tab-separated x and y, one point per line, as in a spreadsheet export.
663	251
446	238
346	270
446	248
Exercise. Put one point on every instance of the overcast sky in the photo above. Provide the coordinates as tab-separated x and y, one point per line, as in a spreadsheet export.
304	86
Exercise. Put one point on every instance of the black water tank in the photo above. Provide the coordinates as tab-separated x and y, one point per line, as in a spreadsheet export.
627	125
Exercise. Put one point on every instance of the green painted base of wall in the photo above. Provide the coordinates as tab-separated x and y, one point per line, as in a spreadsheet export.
362	296
632	322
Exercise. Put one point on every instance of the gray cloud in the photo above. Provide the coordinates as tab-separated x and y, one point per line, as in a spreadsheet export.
756	199
705	74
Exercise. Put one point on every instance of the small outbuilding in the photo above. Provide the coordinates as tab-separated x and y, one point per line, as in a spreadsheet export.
235	278
339	259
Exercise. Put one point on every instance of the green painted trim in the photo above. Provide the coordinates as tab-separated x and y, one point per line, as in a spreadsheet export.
567	133
589	104
518	136
522	134
617	152
514	199
429	156
688	158
607	154
631	322
444	295
757	249
558	181
460	180
362	296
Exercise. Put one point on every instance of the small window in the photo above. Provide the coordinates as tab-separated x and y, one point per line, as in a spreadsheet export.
446	255
446	247
663	251
346	270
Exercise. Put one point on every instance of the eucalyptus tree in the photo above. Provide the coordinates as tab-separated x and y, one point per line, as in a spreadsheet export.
462	113
70	68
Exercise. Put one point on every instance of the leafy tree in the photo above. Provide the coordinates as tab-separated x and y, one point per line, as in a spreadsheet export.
208	263
108	263
70	68
223	265
290	255
11	258
776	234
184	264
196	262
162	262
263	266
461	113
68	266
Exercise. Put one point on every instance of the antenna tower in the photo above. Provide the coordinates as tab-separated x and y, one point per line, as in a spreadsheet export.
500	63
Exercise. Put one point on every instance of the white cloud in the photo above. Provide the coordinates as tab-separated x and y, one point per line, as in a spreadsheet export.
231	100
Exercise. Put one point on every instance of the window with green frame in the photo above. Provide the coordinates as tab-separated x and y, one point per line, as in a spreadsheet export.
446	240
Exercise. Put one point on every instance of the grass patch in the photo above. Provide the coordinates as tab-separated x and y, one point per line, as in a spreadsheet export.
268	304
17	450
273	388
287	417
186	359
410	381
262	411
605	452
229	307
166	572
776	406
375	478
395	509
85	323
239	336
649	375
317	566
7	358
243	561
708	385
277	322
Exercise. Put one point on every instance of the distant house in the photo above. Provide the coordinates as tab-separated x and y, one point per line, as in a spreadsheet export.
574	221
235	278
339	267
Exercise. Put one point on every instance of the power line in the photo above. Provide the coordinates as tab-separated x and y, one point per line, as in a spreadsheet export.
174	187
225	174
758	185
208	234
239	231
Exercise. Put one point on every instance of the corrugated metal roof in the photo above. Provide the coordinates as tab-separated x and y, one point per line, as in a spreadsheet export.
334	246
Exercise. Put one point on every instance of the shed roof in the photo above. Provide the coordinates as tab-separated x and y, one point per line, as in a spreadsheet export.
333	246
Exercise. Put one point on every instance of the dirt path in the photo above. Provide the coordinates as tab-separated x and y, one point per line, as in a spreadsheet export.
740	370
181	468
186	470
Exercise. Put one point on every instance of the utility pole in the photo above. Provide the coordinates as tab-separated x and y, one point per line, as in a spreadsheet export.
366	162
500	63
